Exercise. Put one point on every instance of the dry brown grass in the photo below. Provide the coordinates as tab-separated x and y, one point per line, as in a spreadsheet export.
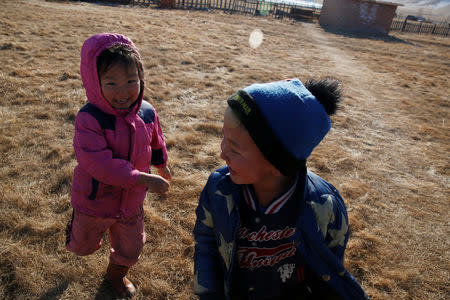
387	154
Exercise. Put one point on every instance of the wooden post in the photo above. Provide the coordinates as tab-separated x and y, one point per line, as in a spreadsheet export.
404	24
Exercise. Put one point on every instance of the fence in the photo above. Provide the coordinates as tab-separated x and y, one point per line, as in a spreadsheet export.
405	25
253	7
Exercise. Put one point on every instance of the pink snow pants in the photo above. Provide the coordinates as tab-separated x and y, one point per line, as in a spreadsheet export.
84	235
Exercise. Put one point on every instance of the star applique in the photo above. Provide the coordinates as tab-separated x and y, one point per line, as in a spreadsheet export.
230	202
198	288
225	250
208	220
324	214
338	235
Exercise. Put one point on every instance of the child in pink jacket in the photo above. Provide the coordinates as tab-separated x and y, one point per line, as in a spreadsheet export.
117	138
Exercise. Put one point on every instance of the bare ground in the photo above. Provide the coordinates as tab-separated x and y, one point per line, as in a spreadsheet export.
387	152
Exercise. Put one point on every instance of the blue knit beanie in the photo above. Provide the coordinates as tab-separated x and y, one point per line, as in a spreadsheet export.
284	119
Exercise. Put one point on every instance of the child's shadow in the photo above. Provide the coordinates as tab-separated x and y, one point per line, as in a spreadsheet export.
106	292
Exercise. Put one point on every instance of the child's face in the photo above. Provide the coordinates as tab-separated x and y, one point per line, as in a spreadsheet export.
246	163
120	85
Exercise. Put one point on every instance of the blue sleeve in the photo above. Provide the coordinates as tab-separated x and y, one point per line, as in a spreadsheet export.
208	276
338	229
330	215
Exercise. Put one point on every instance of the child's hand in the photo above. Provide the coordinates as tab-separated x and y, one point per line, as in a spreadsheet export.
165	172
155	183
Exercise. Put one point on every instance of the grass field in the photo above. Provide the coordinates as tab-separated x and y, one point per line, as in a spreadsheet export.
388	151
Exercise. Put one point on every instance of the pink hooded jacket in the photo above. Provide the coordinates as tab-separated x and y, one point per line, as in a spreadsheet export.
112	148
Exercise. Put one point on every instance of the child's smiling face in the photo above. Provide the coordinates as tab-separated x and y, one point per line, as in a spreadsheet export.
120	85
246	163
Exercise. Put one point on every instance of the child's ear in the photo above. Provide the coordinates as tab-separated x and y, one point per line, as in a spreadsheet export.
275	172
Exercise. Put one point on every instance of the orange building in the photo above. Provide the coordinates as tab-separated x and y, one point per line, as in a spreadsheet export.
358	15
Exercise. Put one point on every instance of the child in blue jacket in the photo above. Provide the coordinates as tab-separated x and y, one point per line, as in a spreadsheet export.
268	228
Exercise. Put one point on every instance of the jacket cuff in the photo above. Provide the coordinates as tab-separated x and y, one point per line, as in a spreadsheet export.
134	177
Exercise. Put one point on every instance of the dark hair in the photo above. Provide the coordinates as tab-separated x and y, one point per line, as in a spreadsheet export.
119	54
328	91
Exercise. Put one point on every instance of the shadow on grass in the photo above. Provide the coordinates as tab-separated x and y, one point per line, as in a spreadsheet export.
364	35
55	292
105	291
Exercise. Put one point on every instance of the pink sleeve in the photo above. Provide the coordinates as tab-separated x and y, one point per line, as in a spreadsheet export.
94	156
159	151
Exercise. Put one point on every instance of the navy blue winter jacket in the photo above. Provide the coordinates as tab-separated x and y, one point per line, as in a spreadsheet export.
322	234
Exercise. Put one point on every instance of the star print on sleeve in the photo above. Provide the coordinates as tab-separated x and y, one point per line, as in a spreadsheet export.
198	288
225	250
338	235
230	202
324	213
208	220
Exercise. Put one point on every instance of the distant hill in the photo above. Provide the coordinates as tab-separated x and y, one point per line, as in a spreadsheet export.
426	3
427	8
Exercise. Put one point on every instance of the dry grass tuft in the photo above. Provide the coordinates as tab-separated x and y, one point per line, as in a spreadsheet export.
387	152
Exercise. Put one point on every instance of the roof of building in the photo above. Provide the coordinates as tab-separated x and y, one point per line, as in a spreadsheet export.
382	2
